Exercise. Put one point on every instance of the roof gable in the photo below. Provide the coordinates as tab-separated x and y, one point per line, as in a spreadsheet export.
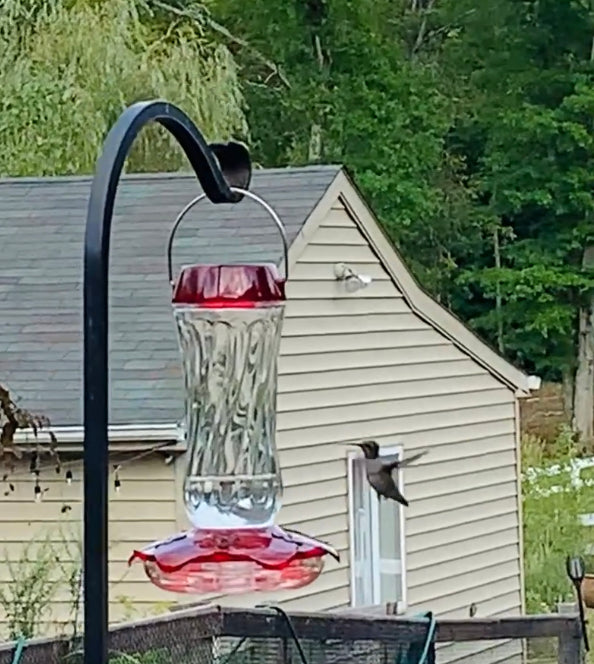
42	224
420	302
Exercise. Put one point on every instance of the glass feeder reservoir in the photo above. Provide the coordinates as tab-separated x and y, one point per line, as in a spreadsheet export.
229	324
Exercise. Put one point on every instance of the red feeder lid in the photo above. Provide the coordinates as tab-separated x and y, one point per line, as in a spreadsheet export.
228	285
271	548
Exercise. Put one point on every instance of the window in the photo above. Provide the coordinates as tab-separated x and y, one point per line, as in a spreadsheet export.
377	551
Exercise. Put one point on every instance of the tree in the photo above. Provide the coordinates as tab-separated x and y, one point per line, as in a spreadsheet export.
360	92
534	169
67	70
539	165
467	127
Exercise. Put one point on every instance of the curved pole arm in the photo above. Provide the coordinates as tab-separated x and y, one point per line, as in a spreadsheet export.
218	167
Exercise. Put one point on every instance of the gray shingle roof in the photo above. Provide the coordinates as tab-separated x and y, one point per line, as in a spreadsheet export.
41	247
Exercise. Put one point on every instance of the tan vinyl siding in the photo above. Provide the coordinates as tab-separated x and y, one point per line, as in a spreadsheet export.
363	365
143	510
356	366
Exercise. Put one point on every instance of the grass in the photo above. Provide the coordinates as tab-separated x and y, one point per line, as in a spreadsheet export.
551	522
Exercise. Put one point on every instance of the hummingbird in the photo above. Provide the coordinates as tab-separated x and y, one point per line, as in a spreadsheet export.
379	471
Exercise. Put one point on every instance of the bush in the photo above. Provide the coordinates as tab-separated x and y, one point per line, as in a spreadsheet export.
26	597
552	504
47	565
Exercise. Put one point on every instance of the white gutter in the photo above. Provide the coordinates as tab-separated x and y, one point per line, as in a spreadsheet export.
138	435
532	384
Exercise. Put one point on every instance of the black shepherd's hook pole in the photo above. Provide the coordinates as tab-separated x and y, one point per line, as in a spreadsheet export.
218	167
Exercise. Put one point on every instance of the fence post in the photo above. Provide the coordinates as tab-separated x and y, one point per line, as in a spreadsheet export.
570	649
570	645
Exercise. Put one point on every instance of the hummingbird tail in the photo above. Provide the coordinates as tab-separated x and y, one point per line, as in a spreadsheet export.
399	498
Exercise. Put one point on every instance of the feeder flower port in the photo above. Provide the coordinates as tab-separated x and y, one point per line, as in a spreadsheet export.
229	322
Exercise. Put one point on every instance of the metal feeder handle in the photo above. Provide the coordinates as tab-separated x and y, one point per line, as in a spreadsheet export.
244	192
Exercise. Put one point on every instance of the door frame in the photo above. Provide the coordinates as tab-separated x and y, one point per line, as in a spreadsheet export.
352	455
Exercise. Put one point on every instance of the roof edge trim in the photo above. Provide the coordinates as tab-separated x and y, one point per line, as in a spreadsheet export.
126	437
314	220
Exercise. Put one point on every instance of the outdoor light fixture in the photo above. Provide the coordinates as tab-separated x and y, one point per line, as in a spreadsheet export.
576	571
352	281
229	323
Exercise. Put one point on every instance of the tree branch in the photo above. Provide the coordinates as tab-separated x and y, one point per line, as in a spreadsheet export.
222	30
423	27
13	418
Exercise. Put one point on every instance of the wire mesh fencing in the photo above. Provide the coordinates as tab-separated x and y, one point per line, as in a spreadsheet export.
216	635
543	650
316	651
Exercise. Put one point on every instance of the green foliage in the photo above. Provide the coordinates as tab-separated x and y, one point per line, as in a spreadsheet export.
49	569
552	528
537	169
47	564
468	128
68	68
357	97
26	597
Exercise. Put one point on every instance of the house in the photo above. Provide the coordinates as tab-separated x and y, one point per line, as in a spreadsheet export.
385	362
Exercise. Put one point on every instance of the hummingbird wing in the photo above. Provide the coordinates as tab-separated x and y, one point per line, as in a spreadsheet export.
389	488
381	480
401	463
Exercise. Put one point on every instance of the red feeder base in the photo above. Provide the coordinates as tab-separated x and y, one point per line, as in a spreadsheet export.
234	561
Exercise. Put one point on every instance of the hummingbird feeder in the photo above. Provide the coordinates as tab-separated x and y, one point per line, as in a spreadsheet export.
229	322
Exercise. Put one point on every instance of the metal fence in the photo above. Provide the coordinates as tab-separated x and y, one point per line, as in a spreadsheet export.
216	635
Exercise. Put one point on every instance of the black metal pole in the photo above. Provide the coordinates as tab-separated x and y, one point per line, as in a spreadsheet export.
217	167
